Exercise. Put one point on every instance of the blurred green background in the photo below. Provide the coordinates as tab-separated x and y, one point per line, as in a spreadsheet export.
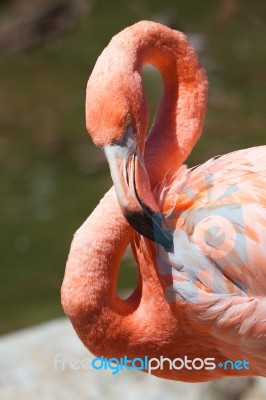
51	175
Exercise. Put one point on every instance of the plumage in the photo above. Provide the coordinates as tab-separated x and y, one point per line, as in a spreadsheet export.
198	235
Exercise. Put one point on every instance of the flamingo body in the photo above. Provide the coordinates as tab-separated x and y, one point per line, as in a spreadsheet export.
197	235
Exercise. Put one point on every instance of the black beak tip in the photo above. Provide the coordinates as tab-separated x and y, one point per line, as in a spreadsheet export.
150	226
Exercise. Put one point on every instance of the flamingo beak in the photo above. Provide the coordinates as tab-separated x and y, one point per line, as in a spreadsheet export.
133	189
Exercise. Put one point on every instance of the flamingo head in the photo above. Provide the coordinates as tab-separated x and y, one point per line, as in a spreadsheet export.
116	119
115	99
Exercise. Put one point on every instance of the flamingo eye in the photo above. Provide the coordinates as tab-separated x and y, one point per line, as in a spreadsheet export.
128	119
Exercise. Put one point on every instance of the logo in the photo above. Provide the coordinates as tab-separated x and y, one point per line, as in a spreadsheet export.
116	365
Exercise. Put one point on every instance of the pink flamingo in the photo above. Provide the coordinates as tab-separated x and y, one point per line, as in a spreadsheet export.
198	235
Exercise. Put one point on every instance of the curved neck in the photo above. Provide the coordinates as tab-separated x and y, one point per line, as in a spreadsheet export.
179	118
88	292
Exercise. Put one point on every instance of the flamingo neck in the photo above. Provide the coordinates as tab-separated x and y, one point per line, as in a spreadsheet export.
88	292
179	118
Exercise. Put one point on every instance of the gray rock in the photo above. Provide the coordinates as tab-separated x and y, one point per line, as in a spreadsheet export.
49	362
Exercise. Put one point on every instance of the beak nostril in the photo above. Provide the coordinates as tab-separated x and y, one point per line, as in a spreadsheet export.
127	177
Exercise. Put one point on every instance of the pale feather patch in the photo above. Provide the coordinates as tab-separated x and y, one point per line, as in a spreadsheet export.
233	187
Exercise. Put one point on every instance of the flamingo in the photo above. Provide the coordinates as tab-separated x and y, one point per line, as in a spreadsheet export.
197	235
